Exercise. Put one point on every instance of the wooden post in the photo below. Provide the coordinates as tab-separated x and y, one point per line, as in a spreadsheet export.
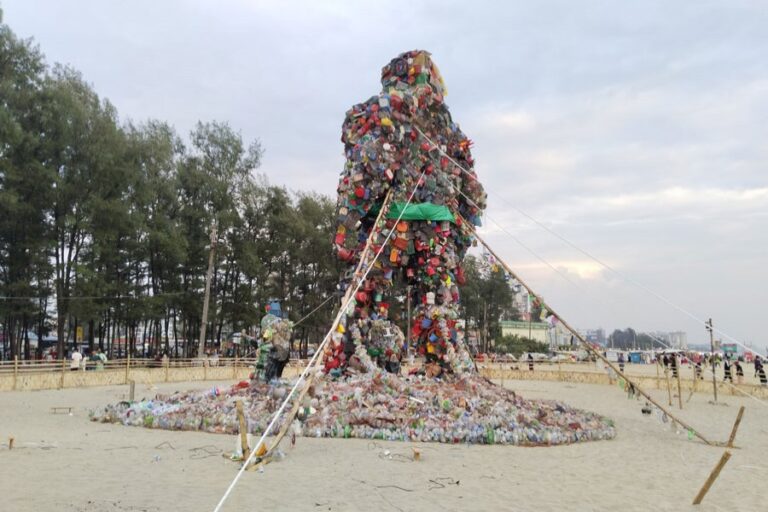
205	369
15	370
243	429
132	392
658	380
669	386
559	370
10	443
128	365
207	297
679	388
712	477
167	364
234	368
589	348
735	427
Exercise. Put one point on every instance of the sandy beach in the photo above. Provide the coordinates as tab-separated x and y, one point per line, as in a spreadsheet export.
68	463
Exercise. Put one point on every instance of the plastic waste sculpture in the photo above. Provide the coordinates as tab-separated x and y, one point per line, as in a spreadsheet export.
388	142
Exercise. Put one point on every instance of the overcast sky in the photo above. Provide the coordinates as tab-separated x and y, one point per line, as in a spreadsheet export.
637	130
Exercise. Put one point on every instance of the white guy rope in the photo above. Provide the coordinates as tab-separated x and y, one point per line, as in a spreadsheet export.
317	352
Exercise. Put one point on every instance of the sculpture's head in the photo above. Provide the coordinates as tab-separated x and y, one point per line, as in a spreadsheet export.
416	70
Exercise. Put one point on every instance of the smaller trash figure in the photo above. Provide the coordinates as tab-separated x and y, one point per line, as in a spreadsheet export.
274	351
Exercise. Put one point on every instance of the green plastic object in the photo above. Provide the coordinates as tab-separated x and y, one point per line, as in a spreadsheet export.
420	211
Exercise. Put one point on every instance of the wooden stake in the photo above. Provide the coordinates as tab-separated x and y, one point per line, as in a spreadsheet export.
167	364
15	370
735	427
658	380
132	392
10	443
583	342
669	386
712	477
243	429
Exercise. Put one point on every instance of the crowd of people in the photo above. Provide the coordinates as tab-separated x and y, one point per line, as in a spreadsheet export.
732	366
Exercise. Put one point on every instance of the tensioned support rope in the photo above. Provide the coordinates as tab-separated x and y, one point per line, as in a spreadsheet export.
584	342
349	296
584	252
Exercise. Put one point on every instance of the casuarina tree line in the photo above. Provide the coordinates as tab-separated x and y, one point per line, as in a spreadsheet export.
105	225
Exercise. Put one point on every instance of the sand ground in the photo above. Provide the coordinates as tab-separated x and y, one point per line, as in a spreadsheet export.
67	463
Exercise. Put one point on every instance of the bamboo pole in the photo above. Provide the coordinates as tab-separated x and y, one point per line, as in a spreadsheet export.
347	295
712	477
583	342
669	386
735	427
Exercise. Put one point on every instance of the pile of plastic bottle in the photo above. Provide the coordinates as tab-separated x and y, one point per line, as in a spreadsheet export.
376	406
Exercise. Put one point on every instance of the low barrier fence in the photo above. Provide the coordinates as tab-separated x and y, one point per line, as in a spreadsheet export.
39	375
647	376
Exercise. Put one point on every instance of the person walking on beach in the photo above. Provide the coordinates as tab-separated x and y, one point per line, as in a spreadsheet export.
621	363
673	364
697	374
727	370
739	372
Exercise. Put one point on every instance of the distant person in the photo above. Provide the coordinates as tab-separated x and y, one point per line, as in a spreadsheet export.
739	372
673	364
760	371
98	358
530	361
697	373
621	363
665	361
75	358
727	370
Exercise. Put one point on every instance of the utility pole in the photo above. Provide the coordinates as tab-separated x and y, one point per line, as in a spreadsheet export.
206	299
712	358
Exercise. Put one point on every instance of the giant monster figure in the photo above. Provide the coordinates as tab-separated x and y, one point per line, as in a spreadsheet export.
399	140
